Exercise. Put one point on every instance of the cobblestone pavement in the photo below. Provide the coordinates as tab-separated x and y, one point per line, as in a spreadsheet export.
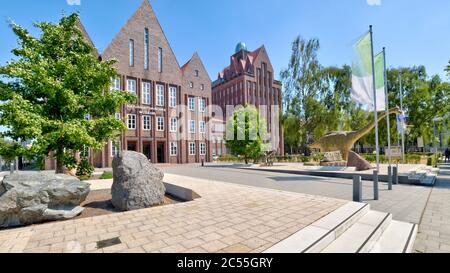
406	202
228	218
434	229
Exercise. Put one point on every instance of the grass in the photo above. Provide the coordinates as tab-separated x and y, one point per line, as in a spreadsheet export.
107	175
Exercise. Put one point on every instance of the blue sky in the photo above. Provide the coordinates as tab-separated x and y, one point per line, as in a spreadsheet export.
414	31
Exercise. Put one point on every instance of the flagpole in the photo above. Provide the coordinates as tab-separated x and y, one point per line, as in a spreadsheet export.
401	120
375	100
387	107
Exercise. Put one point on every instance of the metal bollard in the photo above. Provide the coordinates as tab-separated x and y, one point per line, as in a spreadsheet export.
203	163
11	168
390	178
357	189
395	175
376	189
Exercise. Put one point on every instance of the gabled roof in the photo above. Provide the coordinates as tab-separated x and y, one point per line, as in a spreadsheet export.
145	7
86	35
240	65
195	57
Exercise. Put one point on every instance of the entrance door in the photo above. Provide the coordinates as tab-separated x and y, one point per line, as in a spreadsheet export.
132	146
147	150
160	153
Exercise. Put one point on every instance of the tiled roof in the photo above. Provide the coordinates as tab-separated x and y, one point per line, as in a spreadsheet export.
239	65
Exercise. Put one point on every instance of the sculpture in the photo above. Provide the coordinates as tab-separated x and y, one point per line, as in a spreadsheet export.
344	141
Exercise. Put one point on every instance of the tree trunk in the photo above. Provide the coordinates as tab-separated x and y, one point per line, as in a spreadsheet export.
60	161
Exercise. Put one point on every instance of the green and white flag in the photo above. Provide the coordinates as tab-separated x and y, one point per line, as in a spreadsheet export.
362	76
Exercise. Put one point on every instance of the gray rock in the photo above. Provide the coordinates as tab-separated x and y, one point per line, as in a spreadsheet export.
34	197
357	161
137	183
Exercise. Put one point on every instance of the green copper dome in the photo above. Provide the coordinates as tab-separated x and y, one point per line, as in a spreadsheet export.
240	46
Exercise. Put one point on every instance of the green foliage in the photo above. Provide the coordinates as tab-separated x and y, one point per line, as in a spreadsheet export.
70	162
54	81
84	169
245	133
423	99
8	150
317	100
107	175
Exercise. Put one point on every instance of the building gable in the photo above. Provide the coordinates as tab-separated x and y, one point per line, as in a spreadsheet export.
134	29
189	75
263	57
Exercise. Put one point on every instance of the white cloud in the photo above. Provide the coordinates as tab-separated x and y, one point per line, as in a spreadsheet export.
77	2
374	2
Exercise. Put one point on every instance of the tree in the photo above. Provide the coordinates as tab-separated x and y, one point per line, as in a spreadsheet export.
56	92
301	82
448	68
245	133
8	150
292	127
424	99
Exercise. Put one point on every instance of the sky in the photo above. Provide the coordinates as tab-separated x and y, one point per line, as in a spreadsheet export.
415	32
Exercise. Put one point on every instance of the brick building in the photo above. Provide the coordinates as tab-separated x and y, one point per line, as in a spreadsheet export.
249	79
169	122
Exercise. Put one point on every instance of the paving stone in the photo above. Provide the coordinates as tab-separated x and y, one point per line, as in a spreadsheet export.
227	216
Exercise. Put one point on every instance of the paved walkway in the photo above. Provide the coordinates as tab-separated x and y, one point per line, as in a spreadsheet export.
406	203
228	218
434	229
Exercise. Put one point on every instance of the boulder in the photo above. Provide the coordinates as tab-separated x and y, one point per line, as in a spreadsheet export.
355	160
333	159
137	183
34	197
335	156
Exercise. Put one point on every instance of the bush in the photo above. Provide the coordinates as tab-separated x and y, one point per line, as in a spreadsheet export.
107	175
70	162
84	169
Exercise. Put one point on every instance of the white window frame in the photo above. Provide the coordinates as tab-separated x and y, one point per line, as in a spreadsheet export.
173	149
202	127
192	148
191	85
173	97
173	124
191	104
202	148
115	84
160	95
160	60
147	122
202	87
131	121
131	52
160	124
131	86
192	126
146	93
202	105
115	146
146	48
